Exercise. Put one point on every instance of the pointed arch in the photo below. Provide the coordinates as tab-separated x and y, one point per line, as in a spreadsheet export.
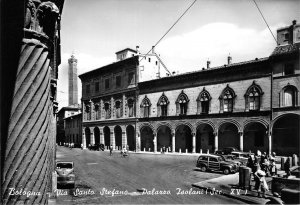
253	97
203	102
162	106
182	104
227	99
145	107
289	96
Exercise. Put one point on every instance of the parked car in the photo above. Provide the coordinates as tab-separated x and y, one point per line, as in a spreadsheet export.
241	156
96	147
226	150
216	163
65	174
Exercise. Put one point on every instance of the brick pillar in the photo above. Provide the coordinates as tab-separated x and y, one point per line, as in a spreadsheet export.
173	141
112	105
155	142
241	141
216	141
194	142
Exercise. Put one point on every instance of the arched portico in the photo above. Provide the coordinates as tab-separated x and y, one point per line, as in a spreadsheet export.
147	137
118	136
183	138
97	135
204	137
285	134
228	135
106	132
255	137
87	136
164	137
131	141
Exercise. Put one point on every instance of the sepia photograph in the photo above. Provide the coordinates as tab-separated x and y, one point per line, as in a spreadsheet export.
150	102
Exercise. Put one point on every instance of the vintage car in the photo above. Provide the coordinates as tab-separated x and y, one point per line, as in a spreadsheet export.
241	156
65	174
96	147
226	150
216	163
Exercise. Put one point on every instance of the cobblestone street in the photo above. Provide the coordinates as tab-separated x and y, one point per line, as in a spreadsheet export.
105	179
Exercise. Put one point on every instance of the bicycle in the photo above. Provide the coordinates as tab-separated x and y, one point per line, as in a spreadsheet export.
124	154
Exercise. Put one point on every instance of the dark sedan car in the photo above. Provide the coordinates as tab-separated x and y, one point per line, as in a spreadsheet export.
226	150
65	174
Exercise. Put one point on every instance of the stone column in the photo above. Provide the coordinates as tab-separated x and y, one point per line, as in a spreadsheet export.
155	142
124	136
270	142
27	160
112	105
101	136
92	137
112	137
241	141
216	141
194	142
173	141
83	138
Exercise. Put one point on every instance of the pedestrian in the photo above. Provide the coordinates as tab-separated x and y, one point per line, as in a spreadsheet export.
110	150
261	185
273	168
81	146
287	166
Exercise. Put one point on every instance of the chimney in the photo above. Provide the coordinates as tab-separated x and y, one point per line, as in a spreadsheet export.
208	64
229	59
137	49
153	51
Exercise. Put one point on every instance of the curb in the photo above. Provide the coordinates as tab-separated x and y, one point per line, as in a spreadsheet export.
248	201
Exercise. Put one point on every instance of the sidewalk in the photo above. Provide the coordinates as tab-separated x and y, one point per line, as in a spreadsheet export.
229	185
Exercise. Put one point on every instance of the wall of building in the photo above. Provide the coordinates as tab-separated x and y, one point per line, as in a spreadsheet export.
239	87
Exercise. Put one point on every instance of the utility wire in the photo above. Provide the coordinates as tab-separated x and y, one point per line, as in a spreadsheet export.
171	27
265	21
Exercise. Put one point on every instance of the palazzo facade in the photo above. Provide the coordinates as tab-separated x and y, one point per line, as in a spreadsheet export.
251	105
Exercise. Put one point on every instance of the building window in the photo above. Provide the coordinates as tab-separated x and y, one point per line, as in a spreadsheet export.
106	84
162	106
290	95
203	101
107	110
145	107
130	104
286	36
97	87
88	111
227	99
289	69
87	88
131	78
149	59
253	96
97	110
118	109
182	104
118	81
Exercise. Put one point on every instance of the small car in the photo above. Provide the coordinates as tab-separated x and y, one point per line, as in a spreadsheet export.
216	163
226	150
65	174
241	156
96	147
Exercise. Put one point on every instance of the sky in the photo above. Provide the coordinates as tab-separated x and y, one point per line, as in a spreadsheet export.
212	29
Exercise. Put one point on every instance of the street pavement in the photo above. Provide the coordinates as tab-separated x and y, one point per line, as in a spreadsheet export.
137	179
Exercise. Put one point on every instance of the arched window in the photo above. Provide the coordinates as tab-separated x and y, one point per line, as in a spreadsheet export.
182	104
118	109
145	107
97	110
253	97
162	106
289	96
88	111
130	104
227	100
203	101
107	110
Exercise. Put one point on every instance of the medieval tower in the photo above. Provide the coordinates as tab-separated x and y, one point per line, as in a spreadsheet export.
73	88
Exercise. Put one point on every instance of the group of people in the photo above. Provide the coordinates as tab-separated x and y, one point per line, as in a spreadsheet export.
123	151
262	165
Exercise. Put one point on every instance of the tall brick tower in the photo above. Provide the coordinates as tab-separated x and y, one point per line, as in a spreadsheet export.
73	88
